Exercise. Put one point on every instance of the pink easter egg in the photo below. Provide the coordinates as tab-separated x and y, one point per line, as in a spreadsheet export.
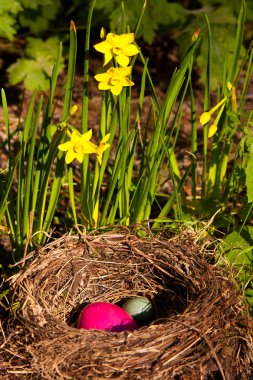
106	316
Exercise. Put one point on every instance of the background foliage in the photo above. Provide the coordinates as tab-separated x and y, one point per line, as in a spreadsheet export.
41	24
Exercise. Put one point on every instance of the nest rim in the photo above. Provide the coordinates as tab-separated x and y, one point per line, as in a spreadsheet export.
166	343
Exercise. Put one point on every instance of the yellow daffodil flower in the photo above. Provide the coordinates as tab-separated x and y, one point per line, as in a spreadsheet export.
78	146
212	130
118	46
73	110
229	86
95	213
206	116
103	146
102	33
114	79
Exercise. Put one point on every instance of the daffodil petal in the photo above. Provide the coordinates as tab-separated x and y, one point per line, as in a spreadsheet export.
89	147
102	148
105	147
104	86
116	90
127	82
86	136
102	77
125	70
131	50
65	146
70	156
102	47
122	60
112	39
79	156
105	138
75	137
107	58
99	158
126	38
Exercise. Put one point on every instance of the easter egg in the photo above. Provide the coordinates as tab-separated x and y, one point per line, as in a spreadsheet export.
140	308
106	316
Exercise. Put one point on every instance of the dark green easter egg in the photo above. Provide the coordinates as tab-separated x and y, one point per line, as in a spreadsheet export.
140	308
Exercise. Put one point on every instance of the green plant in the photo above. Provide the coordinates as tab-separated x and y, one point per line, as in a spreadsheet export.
35	69
25	209
238	249
8	14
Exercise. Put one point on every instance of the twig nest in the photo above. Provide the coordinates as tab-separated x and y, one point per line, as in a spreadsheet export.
199	328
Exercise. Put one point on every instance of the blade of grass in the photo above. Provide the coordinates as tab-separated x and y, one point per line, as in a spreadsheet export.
238	43
55	191
85	208
137	27
72	193
41	223
5	190
166	209
53	81
246	82
6	121
194	142
23	138
114	179
206	107
29	174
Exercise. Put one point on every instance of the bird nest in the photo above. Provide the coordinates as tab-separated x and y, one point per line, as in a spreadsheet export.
200	329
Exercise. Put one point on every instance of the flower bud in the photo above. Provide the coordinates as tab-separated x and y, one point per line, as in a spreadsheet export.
204	118
73	110
212	130
102	33
229	86
195	35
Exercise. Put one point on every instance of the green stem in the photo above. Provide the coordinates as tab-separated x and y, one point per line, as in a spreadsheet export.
85	208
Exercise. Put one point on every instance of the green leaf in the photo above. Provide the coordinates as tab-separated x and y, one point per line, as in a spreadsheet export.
10	6
42	50
237	247
29	72
36	68
249	294
157	13
5	191
7	29
35	4
8	12
38	19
